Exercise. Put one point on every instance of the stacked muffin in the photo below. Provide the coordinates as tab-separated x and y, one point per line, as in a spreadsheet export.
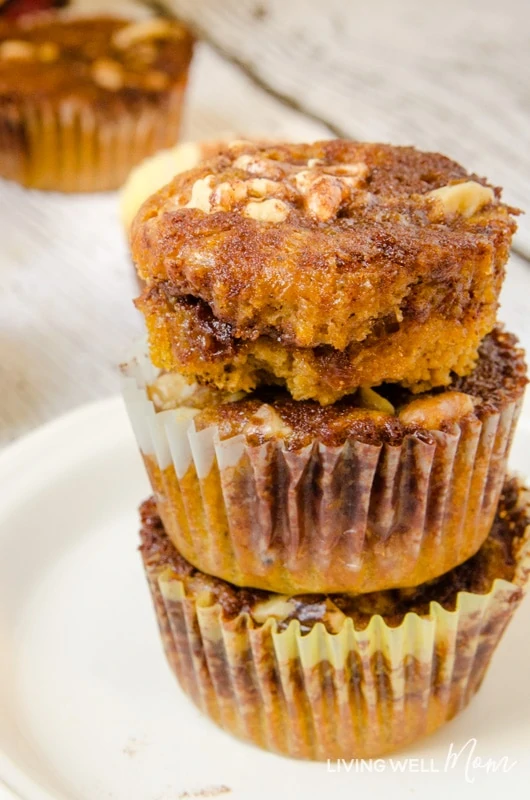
325	416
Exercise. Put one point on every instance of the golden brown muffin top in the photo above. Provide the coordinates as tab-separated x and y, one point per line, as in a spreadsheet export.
496	559
386	415
94	58
315	244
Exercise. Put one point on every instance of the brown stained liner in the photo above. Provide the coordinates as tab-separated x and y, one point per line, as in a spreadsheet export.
73	147
354	518
351	694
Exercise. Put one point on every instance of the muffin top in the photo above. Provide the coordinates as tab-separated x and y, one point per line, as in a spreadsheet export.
504	555
317	244
91	58
373	417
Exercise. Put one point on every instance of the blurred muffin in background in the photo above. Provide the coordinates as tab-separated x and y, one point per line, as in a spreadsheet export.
84	99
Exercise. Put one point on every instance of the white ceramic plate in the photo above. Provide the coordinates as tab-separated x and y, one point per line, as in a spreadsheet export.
88	707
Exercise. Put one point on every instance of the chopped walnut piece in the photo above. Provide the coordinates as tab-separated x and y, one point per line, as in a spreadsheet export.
279	606
323	197
243	161
222	197
304	179
17	50
462	198
107	73
147	29
201	193
171	390
267	422
271	210
204	596
260	187
226	194
431	412
262	167
358	170
324	188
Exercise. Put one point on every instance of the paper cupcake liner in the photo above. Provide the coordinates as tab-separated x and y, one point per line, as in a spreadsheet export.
77	147
354	518
320	695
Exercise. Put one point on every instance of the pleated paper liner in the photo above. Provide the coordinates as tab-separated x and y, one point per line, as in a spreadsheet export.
355	518
319	695
75	146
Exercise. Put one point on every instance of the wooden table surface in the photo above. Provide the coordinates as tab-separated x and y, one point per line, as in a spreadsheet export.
451	76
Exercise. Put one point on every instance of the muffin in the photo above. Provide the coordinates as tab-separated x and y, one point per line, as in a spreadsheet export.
84	99
338	676
321	268
380	490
